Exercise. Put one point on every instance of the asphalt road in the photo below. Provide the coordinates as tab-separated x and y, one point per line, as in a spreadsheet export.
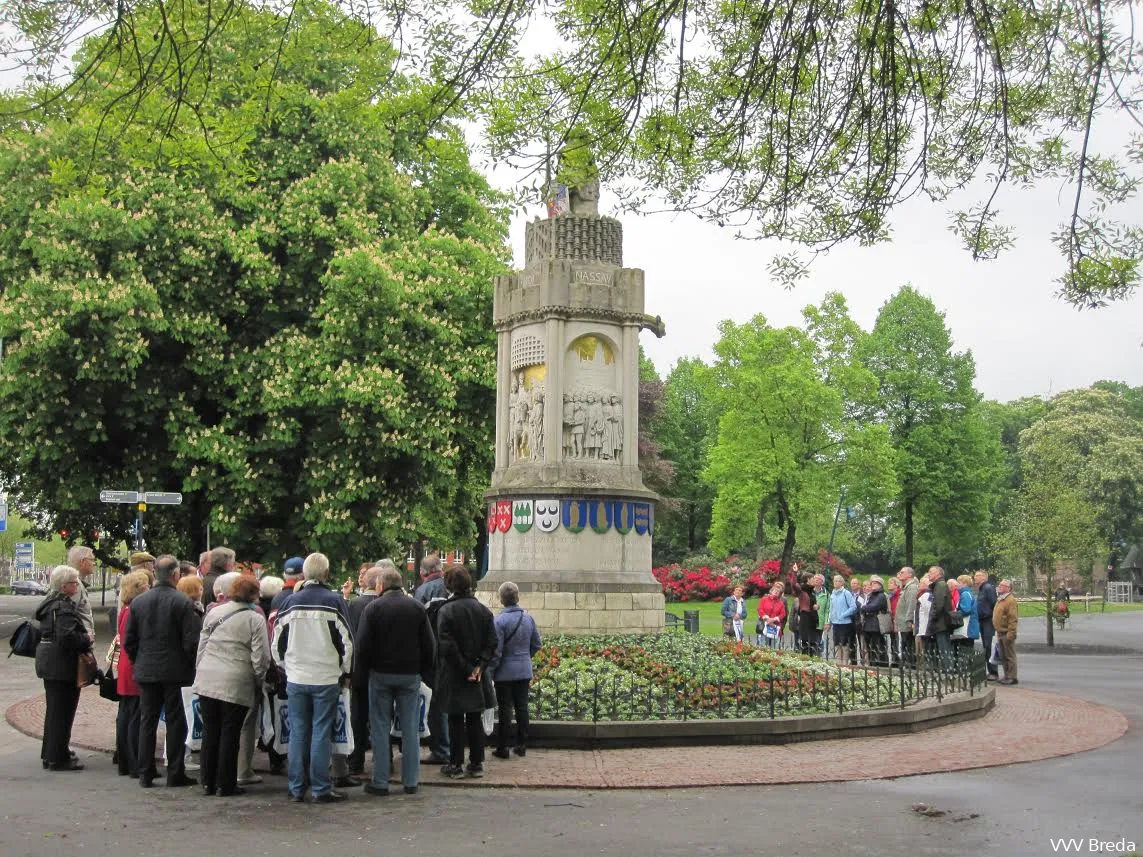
1014	810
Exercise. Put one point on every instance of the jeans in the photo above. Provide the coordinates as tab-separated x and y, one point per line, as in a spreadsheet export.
439	744
127	735
313	708
986	634
168	698
385	689
944	648
512	696
467	728
221	735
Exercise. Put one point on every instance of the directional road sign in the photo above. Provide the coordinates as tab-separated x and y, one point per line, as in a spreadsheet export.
118	496
162	498
25	556
3	512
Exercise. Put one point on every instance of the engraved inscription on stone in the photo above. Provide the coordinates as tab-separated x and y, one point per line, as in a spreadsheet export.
594	278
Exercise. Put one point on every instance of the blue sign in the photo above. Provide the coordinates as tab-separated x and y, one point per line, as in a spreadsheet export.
3	513
25	556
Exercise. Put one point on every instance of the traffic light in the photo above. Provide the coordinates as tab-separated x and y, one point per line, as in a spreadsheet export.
64	534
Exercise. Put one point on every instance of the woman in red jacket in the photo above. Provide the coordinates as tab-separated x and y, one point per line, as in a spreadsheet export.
771	617
127	722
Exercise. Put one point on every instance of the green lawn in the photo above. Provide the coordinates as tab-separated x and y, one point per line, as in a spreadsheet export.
710	620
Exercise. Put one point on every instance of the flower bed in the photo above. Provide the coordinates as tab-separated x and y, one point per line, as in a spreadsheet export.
680	677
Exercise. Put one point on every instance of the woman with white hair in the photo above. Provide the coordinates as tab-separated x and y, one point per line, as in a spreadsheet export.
63	639
875	604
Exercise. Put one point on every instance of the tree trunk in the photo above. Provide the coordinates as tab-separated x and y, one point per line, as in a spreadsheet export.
909	533
788	548
199	517
760	531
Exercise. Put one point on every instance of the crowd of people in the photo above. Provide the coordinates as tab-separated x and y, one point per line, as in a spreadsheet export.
933	619
240	643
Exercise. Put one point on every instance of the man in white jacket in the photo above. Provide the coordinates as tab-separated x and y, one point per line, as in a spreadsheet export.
313	642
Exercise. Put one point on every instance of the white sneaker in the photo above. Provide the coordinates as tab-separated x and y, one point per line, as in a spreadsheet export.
249	781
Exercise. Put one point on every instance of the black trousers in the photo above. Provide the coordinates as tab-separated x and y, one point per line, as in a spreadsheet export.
153	698
512	696
62	698
359	721
127	735
875	648
908	649
811	639
467	728
987	632
221	732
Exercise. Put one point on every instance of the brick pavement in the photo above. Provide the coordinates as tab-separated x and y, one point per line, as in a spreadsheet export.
1024	726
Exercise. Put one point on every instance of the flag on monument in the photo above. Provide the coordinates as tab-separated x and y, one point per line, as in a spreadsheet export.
558	200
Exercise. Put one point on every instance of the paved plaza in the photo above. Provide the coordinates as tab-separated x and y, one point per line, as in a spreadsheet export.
629	801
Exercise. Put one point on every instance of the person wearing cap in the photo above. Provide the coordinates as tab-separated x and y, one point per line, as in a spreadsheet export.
291	575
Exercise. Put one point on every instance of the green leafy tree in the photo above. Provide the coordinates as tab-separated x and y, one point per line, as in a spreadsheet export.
291	329
947	460
803	121
686	429
790	431
1088	439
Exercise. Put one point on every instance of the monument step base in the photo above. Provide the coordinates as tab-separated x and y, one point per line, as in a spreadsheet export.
590	612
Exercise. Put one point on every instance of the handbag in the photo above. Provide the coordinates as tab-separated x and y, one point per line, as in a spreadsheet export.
885	623
87	670
108	685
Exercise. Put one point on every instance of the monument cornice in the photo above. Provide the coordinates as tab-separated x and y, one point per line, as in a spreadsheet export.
644	321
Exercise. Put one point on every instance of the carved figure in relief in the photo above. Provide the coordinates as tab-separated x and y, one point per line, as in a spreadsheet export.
536	424
569	418
607	450
579	420
518	406
593	430
616	422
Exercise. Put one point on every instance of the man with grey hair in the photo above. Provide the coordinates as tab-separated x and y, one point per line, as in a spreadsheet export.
162	641
82	559
395	648
221	561
903	618
359	700
432	579
313	641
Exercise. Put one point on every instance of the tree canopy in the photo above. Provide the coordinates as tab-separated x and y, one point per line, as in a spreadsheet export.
806	121
294	336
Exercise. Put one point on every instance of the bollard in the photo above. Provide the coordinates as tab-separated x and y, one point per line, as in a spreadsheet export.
691	621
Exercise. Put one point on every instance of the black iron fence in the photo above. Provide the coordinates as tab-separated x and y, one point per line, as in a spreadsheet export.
815	687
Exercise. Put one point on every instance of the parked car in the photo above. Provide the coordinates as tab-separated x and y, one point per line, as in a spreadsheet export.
28	587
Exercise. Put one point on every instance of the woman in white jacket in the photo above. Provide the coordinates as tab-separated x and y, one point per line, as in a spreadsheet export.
233	656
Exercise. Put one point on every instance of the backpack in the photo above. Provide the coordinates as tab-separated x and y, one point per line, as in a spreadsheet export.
24	640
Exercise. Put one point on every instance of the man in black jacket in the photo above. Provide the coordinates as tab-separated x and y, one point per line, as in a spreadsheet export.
985	602
941	615
395	647
162	641
221	561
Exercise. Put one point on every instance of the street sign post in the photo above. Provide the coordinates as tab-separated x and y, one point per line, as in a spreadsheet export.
141	499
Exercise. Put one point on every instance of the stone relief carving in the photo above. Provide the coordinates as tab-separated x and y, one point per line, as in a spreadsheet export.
592	425
526	421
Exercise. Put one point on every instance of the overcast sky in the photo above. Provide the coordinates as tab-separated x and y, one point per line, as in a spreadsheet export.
1025	340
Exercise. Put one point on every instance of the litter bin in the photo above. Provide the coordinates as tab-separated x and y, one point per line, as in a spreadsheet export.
691	621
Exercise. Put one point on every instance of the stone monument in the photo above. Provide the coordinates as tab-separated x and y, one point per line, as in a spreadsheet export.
569	518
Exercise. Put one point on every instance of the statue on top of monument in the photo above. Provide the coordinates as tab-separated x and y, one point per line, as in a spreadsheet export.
576	185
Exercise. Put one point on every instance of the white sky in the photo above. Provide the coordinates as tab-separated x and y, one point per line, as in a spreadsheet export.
1025	341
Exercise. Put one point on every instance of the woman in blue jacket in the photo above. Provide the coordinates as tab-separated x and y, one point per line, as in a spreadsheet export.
965	637
519	641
